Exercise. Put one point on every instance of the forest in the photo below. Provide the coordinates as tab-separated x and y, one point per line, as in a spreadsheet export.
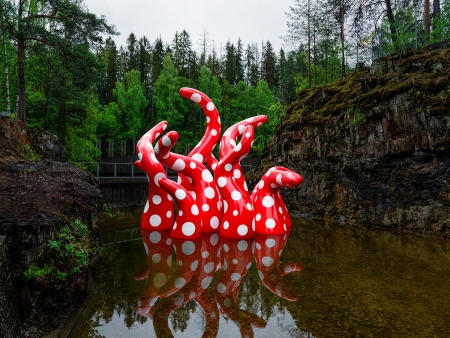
62	71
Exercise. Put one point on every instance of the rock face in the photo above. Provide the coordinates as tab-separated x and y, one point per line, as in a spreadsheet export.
48	213
374	147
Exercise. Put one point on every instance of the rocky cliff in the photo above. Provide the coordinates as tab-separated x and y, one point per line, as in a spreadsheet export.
374	147
48	213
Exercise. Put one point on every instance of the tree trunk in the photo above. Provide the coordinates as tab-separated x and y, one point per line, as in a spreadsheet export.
390	16
342	38
309	49
8	99
426	19
22	109
315	57
436	8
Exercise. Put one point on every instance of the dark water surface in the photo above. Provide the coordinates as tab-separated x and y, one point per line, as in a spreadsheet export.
354	282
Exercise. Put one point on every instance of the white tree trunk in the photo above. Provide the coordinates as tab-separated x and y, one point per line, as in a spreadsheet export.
8	100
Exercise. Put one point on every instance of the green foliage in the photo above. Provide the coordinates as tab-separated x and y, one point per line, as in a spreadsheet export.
132	103
441	24
80	141
108	210
28	153
71	253
34	272
108	126
355	116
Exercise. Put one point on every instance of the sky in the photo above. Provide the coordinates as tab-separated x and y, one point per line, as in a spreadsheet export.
223	20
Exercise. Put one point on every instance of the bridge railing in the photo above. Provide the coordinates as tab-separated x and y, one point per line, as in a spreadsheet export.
129	170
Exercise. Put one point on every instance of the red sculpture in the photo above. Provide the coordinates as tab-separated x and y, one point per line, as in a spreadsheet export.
271	216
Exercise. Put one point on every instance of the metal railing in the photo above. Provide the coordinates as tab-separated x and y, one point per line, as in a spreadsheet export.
129	170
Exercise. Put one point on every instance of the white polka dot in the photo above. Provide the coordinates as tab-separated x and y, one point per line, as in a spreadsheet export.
221	288
140	156
159	279
267	261
226	248
245	186
253	225
241	129
212	315
213	132
225	206
284	227
180	212
169	261
221	181
258	217
156	149
206	281
168	241
235	261
208	119
236	173
219	205
153	157
210	106
279	179
169	214
179	282
226	225
261	184
206	176
169	197
205	207
235	213
268	201
174	226
247	134
156	258
196	97
238	147
228	167
198	158
188	229
227	303
157	177
146	207
205	254
235	276
242	230
179	179
270	223
259	124
250	119
179	165
194	265
287	268
166	141
214	239
214	222
209	267
242	245
188	248
270	242
236	195
209	193
191	295
214	166
261	275
155	237
155	220
274	186
180	194
249	206
280	210
156	199
194	195
194	210
192	165
249	265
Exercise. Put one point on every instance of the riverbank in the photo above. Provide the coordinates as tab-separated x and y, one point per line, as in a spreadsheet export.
48	213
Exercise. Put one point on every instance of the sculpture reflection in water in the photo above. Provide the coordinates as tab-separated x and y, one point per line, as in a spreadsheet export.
174	281
210	202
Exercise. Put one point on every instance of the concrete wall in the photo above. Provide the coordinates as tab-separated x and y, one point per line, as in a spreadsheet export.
124	193
8	306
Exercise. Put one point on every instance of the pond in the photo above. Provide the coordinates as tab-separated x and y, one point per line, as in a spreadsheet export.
322	280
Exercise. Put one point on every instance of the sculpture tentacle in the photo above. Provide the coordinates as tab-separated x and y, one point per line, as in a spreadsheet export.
203	185
238	214
158	211
269	209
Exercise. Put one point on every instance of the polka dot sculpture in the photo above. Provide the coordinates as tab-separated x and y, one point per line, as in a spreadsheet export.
208	203
158	211
271	216
204	190
268	249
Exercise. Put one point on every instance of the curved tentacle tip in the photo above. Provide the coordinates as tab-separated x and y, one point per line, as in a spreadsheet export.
138	164
166	143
